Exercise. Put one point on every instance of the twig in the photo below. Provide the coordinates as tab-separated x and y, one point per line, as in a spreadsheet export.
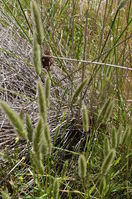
90	62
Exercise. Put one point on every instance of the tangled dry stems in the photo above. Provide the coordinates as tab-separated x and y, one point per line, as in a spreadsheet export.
18	88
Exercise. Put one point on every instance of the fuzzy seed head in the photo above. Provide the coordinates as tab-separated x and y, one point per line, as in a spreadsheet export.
108	162
15	120
38	162
37	22
37	56
42	102
119	135
47	137
29	128
114	138
78	91
102	185
85	118
47	90
37	136
106	146
82	166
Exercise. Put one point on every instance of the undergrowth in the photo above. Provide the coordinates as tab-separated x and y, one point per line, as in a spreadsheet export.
73	133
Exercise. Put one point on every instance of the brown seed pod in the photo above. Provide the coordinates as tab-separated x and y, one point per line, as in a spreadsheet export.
46	60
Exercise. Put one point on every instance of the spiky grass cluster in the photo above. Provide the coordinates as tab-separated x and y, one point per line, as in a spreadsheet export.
74	41
41	140
38	137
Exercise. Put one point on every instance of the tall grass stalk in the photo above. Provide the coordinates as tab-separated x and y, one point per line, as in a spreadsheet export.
37	22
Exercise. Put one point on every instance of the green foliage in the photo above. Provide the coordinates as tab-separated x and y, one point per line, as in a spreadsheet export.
56	189
54	148
5	195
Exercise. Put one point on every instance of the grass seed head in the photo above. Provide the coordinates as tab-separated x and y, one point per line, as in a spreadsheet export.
47	90
29	128
114	137
85	118
47	137
106	146
37	162
78	91
37	22
108	162
37	56
42	102
102	185
15	120
37	136
82	166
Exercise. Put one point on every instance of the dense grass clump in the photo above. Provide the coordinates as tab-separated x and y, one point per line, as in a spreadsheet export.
65	109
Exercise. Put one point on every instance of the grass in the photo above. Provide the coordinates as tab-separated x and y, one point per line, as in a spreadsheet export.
72	121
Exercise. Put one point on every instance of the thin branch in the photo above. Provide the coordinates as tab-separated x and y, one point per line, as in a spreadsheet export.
90	62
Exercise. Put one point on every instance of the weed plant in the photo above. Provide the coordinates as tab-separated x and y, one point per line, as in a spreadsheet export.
72	123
